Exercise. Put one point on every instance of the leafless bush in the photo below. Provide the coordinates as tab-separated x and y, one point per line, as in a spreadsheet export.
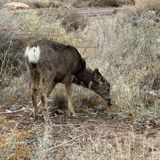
75	3
103	3
74	22
45	4
147	4
113	3
13	42
8	32
38	4
128	47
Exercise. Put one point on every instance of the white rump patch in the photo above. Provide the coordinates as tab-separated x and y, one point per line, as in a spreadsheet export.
33	54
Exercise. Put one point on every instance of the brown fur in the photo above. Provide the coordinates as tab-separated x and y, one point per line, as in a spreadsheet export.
59	63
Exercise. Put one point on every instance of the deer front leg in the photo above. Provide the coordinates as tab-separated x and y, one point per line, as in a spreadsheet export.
69	97
67	83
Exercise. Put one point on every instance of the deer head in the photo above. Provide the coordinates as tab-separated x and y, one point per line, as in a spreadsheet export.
100	85
94	81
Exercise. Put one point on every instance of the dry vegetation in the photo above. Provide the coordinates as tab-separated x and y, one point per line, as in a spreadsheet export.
147	4
73	3
126	49
130	44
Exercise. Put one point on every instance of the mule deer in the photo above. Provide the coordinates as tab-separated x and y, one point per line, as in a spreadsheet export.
50	63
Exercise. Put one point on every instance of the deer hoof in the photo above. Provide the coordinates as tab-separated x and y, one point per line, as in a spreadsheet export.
71	114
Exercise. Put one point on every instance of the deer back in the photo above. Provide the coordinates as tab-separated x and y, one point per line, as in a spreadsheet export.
53	60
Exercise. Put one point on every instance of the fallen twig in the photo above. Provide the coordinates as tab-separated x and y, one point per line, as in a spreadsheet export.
16	111
65	142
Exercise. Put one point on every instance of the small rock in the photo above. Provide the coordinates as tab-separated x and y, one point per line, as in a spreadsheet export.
16	5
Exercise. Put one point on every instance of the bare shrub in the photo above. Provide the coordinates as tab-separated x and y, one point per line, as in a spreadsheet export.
13	42
80	4
9	39
113	3
44	142
102	3
74	22
45	4
75	3
147	4
38	4
127	46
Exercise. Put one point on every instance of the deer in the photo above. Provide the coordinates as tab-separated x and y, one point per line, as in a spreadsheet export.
49	63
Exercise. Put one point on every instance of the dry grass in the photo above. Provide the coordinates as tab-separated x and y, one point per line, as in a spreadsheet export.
74	3
113	3
127	45
74	22
17	31
125	48
10	44
85	140
147	4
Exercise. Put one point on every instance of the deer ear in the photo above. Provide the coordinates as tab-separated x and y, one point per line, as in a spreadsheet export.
97	76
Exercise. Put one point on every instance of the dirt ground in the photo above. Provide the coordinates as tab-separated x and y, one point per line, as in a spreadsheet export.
96	134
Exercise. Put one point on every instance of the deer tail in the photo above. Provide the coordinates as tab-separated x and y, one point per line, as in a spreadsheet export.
33	54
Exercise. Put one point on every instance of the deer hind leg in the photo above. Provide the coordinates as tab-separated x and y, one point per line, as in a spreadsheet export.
45	92
45	111
34	96
49	91
67	83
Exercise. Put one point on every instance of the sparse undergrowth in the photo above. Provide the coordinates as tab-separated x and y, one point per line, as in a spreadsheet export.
125	48
128	45
74	3
76	139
